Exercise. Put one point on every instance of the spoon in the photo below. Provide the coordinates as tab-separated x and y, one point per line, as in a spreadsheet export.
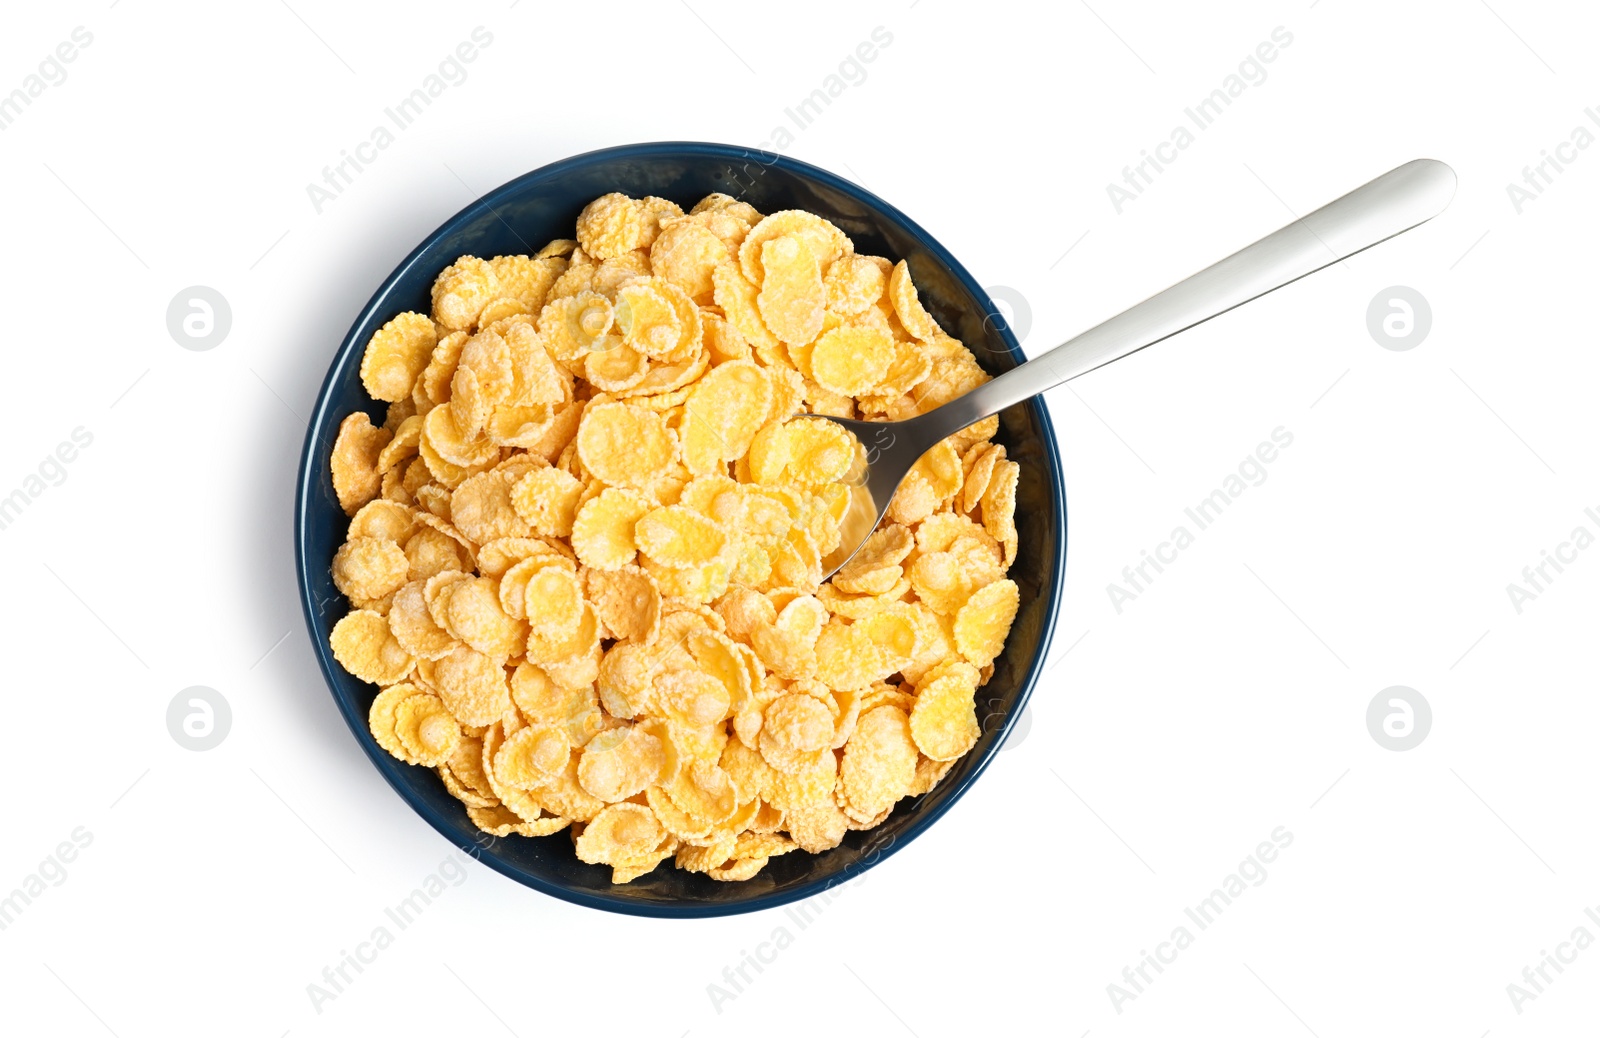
1401	199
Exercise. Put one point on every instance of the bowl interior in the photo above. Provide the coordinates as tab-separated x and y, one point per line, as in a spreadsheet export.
520	217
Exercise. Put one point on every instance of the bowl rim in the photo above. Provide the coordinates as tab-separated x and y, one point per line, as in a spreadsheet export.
389	767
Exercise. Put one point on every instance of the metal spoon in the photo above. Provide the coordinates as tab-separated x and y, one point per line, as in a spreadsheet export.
1401	199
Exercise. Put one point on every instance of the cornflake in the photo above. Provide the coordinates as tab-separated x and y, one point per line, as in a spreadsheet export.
584	554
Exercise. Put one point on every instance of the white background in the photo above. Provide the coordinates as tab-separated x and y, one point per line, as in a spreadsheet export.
1169	739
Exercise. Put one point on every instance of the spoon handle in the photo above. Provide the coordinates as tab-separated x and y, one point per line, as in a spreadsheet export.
1401	199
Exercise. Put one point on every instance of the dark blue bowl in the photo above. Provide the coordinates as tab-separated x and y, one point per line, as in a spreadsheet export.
521	216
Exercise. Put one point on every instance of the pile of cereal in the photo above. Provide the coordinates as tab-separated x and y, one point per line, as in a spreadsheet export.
585	552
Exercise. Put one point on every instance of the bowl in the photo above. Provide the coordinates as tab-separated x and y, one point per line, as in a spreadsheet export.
519	217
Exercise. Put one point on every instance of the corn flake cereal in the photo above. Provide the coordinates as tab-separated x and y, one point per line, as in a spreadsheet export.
851	361
472	685
381	718
532	757
982	624
611	225
413	626
822	240
619	833
356	452
627	601
647	320
679	537
907	307
426	731
854	283
687	252
461	292
547	500
624	444
620	763
369	567
474	616
944	720
603	531
396	354
819	451
364	646
879	763
791	298
584	559
722	414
